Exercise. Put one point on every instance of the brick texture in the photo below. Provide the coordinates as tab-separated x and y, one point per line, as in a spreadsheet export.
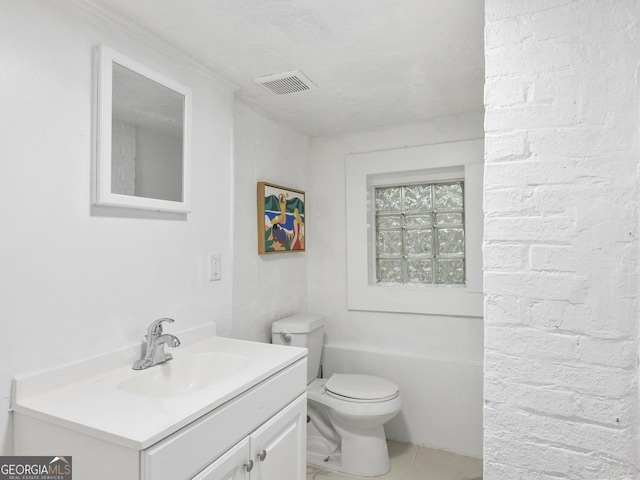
561	251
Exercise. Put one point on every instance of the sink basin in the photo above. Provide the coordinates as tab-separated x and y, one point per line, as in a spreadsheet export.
184	375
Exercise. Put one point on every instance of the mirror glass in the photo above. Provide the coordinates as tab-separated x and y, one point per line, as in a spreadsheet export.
143	137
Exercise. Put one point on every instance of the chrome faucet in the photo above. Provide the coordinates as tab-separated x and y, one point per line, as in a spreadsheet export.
156	341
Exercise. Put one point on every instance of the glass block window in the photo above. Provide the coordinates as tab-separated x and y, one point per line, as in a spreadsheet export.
420	234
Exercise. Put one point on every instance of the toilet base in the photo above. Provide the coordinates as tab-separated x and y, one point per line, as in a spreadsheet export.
364	451
362	454
331	462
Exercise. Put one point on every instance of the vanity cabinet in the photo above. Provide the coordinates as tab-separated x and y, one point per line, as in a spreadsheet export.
257	434
275	451
278	448
233	465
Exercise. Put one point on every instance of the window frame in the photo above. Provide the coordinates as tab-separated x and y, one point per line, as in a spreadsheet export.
429	163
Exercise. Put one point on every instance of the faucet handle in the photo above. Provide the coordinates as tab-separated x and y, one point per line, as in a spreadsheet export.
156	328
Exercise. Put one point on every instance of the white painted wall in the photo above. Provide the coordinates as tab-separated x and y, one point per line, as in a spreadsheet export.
75	283
561	239
436	360
265	287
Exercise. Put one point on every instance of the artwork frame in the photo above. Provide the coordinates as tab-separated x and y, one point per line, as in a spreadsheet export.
281	223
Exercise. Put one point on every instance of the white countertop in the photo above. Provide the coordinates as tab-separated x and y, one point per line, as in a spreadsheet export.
84	397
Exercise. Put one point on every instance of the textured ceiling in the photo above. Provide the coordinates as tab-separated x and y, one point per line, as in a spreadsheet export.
140	101
375	62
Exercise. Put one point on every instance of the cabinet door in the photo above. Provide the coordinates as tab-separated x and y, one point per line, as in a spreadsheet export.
230	466
278	448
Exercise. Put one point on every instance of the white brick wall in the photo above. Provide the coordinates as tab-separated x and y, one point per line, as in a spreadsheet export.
561	239
123	158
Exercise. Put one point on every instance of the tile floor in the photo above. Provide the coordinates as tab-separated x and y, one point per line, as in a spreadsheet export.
410	462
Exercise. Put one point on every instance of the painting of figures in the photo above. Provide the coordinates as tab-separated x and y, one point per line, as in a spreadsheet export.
281	219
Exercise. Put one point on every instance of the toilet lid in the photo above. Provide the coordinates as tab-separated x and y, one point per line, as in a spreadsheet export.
361	387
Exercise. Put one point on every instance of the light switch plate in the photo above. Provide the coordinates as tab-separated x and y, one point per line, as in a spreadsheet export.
215	267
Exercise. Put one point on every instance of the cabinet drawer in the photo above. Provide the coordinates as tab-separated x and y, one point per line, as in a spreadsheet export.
188	451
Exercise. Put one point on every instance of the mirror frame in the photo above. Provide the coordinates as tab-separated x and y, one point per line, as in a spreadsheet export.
102	194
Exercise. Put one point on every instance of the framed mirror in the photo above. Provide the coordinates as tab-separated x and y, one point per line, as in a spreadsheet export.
142	137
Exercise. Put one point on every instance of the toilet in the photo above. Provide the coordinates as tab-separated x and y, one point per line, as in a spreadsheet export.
346	412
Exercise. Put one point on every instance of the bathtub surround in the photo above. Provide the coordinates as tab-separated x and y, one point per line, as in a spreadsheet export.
561	239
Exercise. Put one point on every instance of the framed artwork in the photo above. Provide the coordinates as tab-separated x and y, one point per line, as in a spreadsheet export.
281	219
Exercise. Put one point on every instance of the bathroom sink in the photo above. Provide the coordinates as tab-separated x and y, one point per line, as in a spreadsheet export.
184	375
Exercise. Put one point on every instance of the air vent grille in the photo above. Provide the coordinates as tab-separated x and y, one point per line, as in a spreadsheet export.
286	82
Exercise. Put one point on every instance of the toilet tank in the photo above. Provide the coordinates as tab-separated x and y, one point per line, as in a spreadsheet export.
301	330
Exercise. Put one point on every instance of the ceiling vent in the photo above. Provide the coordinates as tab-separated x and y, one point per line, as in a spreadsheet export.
286	82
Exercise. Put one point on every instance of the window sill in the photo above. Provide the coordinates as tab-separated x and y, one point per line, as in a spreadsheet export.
457	300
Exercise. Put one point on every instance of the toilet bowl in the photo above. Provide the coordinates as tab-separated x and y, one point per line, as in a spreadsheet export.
357	421
346	412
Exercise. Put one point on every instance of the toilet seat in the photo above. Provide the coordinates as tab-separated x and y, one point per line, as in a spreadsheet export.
317	392
361	388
